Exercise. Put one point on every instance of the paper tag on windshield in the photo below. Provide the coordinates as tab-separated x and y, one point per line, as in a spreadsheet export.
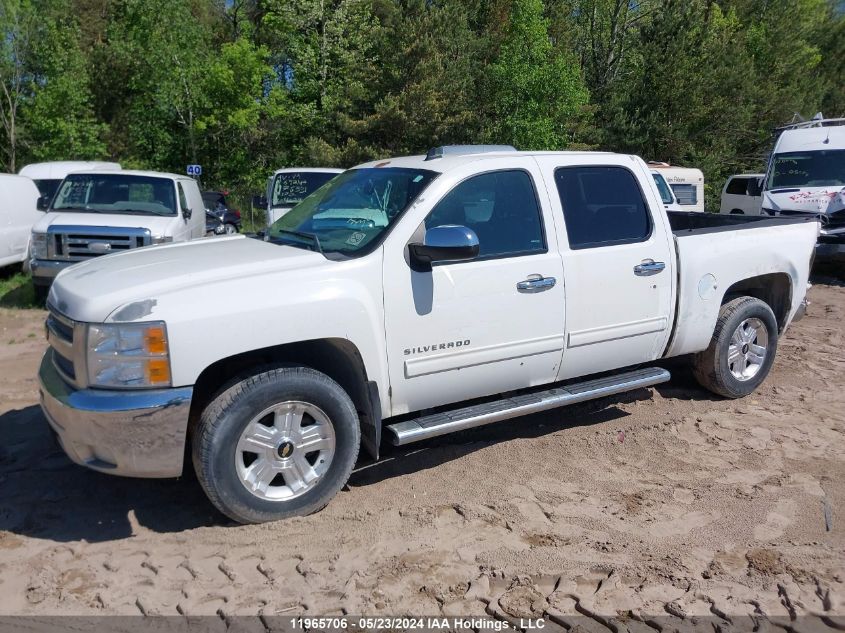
356	238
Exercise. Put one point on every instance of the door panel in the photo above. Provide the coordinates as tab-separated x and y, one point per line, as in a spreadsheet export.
465	329
619	297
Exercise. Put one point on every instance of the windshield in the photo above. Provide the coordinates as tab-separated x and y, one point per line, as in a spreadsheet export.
290	188
116	193
818	168
353	211
213	200
47	188
663	188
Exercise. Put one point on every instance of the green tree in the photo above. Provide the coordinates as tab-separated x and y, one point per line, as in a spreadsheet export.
148	74
59	117
535	91
18	22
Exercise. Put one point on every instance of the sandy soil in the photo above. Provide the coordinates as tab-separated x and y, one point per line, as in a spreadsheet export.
666	502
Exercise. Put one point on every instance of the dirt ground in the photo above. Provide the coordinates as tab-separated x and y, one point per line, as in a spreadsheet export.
666	502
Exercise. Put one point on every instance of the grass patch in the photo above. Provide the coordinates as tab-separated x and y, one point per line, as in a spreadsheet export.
16	290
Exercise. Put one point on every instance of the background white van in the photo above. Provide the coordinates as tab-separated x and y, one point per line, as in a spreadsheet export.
287	187
806	171
48	176
18	213
687	184
100	212
742	194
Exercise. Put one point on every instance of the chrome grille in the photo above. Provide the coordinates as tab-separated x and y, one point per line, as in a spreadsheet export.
78	243
65	339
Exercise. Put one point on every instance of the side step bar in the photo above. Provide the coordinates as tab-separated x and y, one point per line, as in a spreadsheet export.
436	424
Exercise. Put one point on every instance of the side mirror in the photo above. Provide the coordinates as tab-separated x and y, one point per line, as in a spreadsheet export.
187	213
448	243
43	203
259	202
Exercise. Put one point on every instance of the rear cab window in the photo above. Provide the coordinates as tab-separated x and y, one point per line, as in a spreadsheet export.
602	206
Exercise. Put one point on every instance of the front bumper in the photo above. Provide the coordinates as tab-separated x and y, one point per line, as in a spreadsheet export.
45	270
131	433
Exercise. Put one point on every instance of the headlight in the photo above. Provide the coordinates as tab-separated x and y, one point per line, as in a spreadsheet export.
128	355
162	239
39	245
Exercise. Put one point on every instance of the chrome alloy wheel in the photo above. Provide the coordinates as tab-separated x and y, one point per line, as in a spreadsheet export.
285	450
747	350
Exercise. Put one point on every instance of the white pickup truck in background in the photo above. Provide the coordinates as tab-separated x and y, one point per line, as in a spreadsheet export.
413	297
102	212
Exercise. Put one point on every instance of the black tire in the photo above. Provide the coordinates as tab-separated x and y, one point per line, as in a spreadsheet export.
711	367
214	444
230	229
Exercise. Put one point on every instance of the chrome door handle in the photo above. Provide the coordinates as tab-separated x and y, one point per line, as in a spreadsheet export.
536	283
648	267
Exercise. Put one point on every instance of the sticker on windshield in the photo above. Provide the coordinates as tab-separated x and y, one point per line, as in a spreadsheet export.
356	238
418	178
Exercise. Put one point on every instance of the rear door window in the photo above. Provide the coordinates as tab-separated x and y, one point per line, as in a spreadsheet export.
602	206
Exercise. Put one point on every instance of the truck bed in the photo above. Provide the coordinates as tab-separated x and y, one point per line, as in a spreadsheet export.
717	251
690	223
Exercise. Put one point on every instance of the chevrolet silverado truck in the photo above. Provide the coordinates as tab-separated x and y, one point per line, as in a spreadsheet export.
410	297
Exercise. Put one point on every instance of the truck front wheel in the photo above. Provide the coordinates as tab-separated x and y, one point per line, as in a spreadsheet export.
741	351
275	445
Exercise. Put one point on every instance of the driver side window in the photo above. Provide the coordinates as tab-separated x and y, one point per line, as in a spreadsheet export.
501	207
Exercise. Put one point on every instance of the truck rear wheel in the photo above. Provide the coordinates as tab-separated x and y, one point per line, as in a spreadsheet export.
741	351
275	445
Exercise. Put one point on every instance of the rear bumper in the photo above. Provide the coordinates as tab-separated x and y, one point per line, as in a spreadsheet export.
45	270
831	251
130	433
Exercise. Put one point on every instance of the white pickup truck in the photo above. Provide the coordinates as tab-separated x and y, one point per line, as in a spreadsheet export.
412	297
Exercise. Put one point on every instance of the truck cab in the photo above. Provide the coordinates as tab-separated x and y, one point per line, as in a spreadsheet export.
95	213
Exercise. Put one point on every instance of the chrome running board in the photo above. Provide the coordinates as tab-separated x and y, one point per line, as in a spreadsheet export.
445	422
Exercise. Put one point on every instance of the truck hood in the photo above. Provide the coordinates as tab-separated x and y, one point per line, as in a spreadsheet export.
96	290
824	200
158	225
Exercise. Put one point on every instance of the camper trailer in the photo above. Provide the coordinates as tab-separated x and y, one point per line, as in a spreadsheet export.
687	184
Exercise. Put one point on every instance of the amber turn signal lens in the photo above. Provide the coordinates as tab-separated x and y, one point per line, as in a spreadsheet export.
158	371
155	340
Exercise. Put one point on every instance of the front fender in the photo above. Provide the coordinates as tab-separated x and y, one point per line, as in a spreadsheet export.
211	322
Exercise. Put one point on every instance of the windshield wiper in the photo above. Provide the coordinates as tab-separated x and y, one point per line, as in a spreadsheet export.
312	237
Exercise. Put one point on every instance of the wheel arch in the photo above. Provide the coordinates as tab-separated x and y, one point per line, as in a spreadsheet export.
774	289
338	358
